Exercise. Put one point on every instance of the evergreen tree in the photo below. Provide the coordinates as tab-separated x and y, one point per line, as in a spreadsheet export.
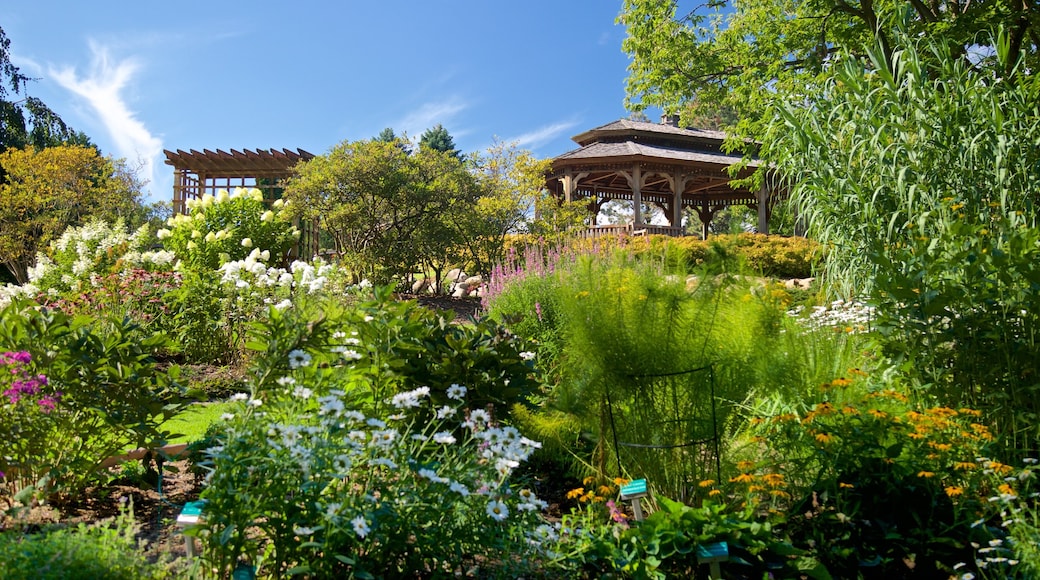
439	139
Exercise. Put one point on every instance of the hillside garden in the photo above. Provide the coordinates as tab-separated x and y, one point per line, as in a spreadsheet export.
881	424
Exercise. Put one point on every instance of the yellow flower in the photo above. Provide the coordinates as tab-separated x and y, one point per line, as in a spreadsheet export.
963	465
715	492
926	474
1006	489
824	438
604	490
745	465
773	479
742	478
575	493
843	485
878	413
707	483
953	490
940	446
588	480
620	481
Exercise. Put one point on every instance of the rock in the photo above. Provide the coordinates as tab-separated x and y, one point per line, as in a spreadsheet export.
460	292
420	285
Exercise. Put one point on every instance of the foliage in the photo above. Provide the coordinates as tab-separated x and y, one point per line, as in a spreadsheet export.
82	255
85	552
46	191
882	487
697	59
376	202
923	186
437	139
26	121
229	227
302	484
665	544
101	393
639	357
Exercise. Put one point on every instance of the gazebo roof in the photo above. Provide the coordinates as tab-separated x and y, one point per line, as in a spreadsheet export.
634	151
258	163
624	141
626	127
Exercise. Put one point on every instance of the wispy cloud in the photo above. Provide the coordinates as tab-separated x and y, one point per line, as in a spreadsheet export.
542	135
103	88
430	114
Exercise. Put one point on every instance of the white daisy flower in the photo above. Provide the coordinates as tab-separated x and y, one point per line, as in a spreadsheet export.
360	526
497	510
299	358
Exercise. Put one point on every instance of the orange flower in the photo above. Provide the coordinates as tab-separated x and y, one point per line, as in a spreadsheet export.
954	491
773	479
843	485
841	382
849	410
824	438
619	481
578	492
707	483
1006	489
878	413
715	492
742	478
926	474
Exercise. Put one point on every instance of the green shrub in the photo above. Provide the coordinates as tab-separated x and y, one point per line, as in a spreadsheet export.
102	393
101	551
303	483
228	227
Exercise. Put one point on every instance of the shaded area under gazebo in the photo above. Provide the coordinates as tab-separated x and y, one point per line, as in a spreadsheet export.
198	173
656	163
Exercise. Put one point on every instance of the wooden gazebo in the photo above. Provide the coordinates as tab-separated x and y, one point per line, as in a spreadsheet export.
198	173
657	163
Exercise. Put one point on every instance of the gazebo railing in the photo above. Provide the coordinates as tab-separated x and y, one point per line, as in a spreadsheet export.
632	230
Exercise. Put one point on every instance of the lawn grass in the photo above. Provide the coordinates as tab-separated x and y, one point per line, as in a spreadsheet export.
192	423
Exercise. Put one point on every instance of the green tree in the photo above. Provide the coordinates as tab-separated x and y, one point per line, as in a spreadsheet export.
51	189
374	199
438	139
749	55
512	199
25	120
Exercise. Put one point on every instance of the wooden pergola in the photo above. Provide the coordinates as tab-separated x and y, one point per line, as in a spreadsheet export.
656	163
198	173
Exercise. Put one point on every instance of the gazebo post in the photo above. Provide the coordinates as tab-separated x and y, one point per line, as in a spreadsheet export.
763	208
637	196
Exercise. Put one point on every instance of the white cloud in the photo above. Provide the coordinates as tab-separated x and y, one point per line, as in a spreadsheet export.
429	115
103	89
542	135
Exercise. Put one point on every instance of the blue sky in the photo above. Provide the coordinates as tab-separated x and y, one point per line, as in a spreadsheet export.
140	77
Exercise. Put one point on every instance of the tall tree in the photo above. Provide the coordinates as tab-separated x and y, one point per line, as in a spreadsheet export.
24	119
438	139
752	54
51	189
374	199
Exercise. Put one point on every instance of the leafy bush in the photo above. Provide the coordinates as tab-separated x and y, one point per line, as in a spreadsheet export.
84	254
101	394
881	487
303	484
84	552
228	227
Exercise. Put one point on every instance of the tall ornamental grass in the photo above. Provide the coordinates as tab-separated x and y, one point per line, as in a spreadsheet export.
633	353
920	172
